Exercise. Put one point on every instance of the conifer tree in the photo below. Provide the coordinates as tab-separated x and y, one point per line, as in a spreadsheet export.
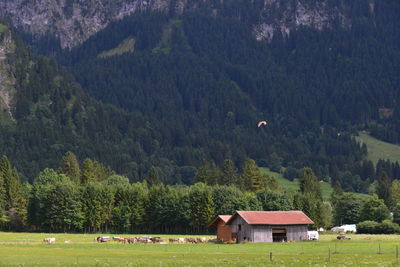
251	179
383	188
153	178
88	172
69	166
309	184
2	201
229	173
14	201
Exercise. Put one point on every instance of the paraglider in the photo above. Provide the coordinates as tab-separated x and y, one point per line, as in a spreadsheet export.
262	123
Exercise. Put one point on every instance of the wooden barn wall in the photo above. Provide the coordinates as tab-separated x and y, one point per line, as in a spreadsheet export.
246	232
263	233
296	232
224	232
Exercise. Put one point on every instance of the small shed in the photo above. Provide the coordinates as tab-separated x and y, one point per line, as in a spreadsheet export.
224	232
269	226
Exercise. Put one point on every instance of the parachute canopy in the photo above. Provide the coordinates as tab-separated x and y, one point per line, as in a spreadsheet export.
262	123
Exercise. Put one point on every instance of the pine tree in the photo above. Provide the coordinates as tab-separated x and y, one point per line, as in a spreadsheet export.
14	201
229	173
251	179
153	178
309	184
69	166
88	174
2	201
383	188
208	174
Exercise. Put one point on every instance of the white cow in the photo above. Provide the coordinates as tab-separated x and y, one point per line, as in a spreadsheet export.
312	235
49	240
181	240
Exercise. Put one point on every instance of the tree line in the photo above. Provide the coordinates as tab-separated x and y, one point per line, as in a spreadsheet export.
90	197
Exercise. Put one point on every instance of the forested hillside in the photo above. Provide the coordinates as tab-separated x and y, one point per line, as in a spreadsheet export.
151	124
176	90
198	76
52	115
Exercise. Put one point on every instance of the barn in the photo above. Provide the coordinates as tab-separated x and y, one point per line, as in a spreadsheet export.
224	232
269	226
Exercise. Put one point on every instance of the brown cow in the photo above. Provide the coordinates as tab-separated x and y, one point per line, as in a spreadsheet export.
190	240
201	240
156	239
131	240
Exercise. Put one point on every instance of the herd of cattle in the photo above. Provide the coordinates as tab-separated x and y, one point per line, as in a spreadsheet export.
142	239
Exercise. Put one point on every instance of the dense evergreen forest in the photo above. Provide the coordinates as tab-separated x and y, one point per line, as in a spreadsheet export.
193	87
205	82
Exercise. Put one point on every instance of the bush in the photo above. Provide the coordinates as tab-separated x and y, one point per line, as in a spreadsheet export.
367	227
388	227
371	227
291	173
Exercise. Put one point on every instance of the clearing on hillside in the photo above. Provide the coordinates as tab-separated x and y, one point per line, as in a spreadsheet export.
294	185
378	149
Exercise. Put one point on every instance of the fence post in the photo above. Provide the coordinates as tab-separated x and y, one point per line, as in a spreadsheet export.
397	253
329	255
379	249
270	256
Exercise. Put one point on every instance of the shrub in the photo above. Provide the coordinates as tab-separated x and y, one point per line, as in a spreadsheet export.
372	227
388	227
367	227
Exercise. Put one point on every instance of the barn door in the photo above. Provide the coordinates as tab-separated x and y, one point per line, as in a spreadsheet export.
279	235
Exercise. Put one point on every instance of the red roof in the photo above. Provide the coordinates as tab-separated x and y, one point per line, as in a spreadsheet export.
273	217
223	218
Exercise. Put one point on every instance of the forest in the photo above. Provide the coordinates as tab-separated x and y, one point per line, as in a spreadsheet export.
89	197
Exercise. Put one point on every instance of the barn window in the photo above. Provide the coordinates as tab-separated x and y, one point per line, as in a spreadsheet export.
240	227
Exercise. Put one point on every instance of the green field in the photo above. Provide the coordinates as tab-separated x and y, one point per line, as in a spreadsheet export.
26	249
294	185
378	149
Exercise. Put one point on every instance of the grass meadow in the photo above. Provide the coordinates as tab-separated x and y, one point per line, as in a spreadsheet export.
27	249
378	149
294	186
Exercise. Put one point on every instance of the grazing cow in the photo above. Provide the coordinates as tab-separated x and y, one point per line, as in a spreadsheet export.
49	240
190	240
103	239
131	240
156	239
67	241
201	240
145	239
116	238
213	240
121	240
173	240
181	240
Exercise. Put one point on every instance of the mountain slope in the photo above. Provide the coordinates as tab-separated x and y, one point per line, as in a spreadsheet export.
71	22
53	115
198	76
192	73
